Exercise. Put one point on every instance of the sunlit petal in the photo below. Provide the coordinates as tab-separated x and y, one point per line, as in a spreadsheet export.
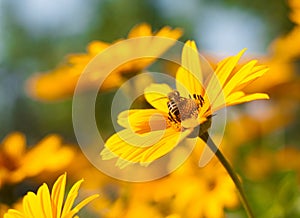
57	194
250	97
142	29
79	206
72	195
223	71
11	213
157	96
143	141
144	155
141	121
44	205
14	145
60	82
32	206
189	79
43	195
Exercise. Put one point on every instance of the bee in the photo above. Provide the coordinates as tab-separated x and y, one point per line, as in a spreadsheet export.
181	108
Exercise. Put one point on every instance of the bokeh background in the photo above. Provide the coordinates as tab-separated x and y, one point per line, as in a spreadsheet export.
262	138
36	35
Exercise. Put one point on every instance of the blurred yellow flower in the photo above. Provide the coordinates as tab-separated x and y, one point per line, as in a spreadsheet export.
188	192
17	162
3	209
198	192
249	127
295	14
44	204
61	82
281	58
287	158
259	164
151	133
263	162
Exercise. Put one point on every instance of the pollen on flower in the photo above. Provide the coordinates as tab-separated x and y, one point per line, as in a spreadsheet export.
174	124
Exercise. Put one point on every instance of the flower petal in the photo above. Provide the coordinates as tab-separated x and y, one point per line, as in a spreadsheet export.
71	198
157	96
79	206
32	206
14	145
139	30
43	195
189	77
118	147
247	98
244	76
129	154
138	140
222	74
142	120
170	141
61	82
169	32
57	194
225	67
12	213
231	98
257	71
238	77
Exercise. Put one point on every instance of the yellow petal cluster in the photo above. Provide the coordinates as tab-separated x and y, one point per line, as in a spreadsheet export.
18	162
60	83
150	134
46	205
189	191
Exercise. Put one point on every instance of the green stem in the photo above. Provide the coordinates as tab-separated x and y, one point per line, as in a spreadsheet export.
230	171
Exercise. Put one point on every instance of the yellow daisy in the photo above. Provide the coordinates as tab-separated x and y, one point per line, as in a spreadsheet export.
212	182
188	192
282	58
295	14
151	133
44	204
17	162
3	209
61	82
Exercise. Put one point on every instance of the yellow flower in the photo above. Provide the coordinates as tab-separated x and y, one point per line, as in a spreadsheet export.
190	191
295	14
151	133
3	209
44	204
283	54
211	182
261	163
18	163
61	82
287	158
249	127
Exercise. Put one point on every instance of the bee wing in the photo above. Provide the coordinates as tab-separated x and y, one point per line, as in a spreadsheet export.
157	96
189	79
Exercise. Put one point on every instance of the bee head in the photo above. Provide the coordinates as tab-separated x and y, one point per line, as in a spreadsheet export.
174	95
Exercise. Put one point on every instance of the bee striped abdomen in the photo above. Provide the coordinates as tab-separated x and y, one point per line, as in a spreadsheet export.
174	114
